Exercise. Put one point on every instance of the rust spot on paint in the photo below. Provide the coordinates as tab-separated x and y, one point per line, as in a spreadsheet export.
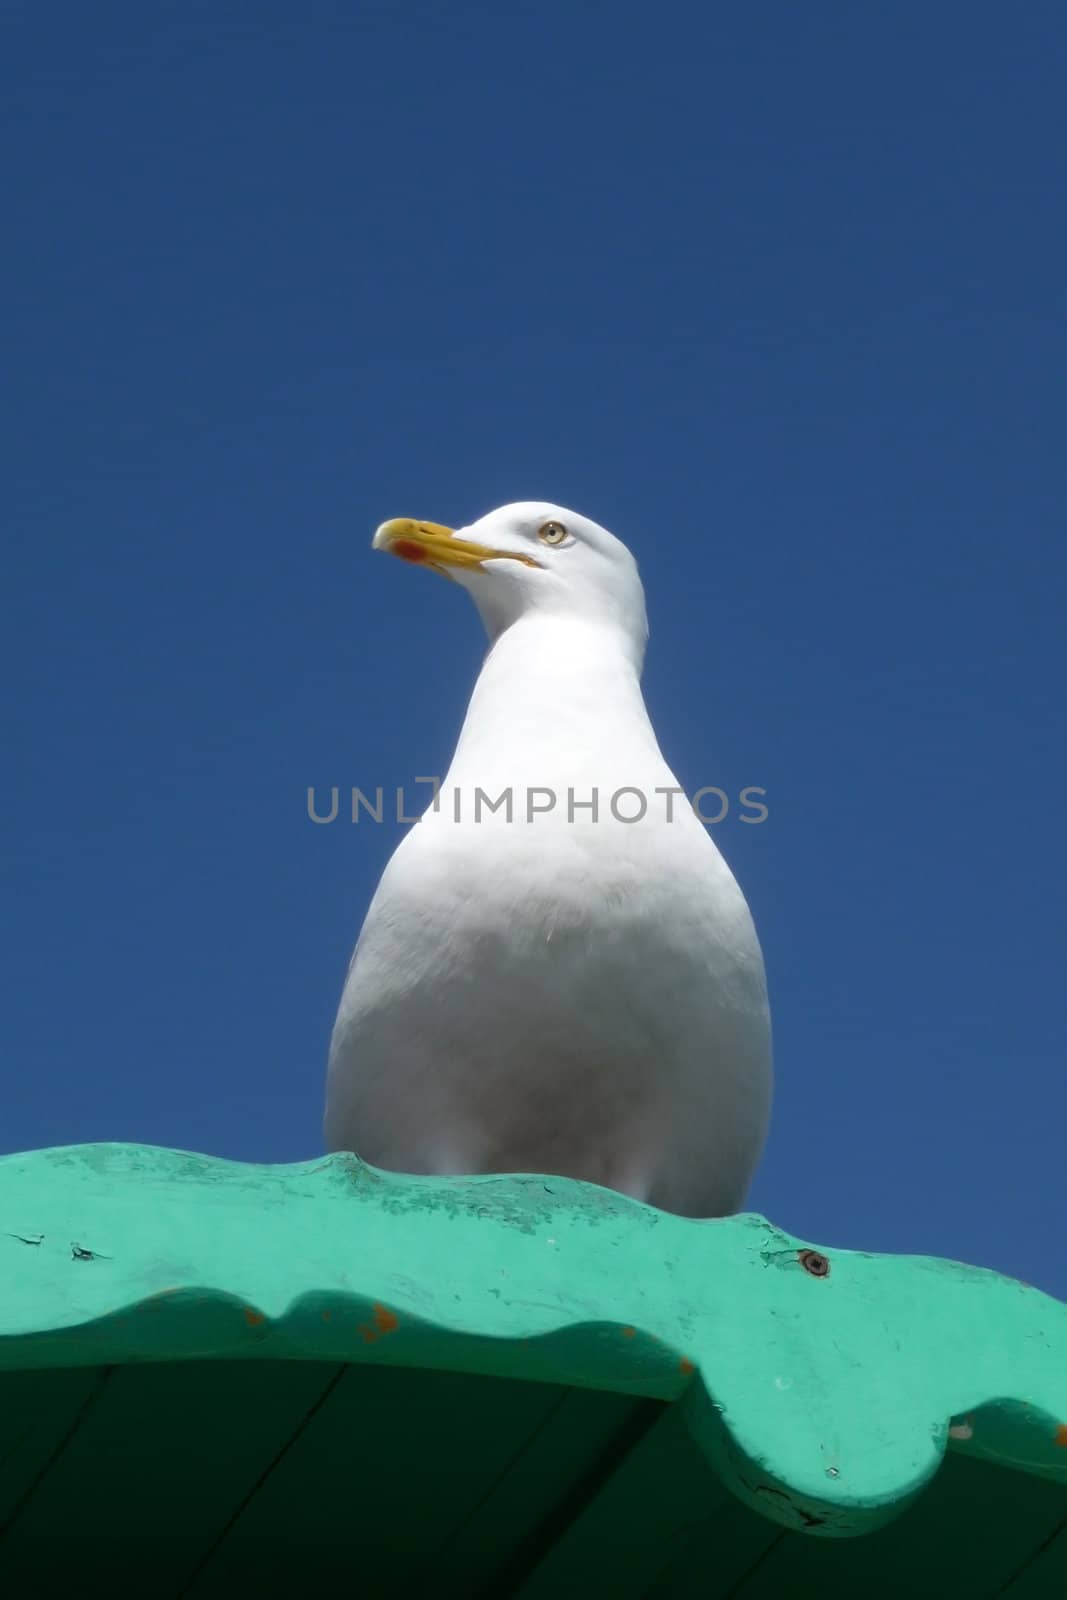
1061	1435
629	1333
253	1318
815	1262
385	1320
686	1365
326	1315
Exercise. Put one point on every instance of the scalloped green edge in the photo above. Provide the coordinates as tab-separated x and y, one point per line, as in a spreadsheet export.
825	1400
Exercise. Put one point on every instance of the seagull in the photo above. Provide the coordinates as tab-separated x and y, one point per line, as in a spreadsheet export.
558	973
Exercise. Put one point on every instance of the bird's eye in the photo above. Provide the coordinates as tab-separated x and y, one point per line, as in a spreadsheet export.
552	533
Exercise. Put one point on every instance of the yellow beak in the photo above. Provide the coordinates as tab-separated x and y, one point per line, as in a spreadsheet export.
430	544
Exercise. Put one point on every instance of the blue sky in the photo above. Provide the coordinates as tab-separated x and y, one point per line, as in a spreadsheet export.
777	294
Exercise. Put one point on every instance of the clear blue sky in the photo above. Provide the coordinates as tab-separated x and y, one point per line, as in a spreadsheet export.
778	294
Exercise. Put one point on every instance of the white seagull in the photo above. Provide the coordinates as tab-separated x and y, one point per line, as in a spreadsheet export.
558	973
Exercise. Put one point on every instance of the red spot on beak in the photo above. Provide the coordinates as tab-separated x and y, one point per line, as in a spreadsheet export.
408	550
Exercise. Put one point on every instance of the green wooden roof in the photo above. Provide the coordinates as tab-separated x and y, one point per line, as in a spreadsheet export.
214	1375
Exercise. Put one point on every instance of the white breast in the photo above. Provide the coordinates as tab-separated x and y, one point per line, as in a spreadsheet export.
554	993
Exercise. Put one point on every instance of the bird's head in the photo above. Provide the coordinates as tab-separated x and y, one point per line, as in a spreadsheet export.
530	558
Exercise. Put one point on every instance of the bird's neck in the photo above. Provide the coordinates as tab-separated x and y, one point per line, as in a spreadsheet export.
554	693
